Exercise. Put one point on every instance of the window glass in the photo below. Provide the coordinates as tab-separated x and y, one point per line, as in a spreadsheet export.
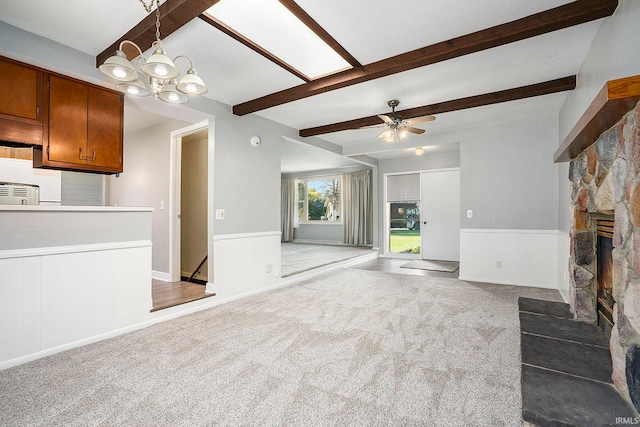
319	199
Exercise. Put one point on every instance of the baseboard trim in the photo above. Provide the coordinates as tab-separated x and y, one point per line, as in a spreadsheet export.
505	282
160	275
60	250
247	235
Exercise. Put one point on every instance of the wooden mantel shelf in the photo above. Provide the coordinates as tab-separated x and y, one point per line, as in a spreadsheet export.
616	99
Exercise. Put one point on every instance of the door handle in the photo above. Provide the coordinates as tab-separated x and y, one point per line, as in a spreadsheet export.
425	223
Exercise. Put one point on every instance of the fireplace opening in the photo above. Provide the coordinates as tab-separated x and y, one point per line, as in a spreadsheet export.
604	249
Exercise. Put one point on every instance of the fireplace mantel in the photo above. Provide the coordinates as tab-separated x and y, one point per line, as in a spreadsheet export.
616	98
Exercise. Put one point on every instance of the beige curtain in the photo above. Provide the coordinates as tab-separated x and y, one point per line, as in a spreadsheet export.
287	208
358	208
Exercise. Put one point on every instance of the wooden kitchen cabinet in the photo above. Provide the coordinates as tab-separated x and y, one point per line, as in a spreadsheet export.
20	102
83	127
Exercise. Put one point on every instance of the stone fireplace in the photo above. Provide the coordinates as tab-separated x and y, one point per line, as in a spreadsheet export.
605	187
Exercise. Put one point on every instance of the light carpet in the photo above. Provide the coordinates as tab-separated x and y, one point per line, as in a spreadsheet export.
299	257
433	265
352	347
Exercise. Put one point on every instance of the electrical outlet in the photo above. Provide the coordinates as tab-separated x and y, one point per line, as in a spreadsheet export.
219	213
161	204
268	268
469	213
499	265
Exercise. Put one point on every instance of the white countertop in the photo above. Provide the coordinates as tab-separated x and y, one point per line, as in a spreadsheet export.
49	208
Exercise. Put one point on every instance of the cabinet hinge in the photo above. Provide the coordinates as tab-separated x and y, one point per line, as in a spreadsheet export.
37	110
47	150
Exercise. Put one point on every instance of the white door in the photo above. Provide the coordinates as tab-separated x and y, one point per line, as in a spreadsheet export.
440	215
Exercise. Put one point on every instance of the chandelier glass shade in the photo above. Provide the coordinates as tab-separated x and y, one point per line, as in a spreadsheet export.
157	75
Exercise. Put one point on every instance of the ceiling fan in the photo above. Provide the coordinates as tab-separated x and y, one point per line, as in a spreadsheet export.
397	128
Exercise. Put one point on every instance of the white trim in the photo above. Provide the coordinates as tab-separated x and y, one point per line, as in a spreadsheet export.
57	250
418	171
175	159
56	208
506	282
507	230
246	235
160	275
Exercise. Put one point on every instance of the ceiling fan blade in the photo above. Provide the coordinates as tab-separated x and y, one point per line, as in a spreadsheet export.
381	125
413	130
385	118
421	119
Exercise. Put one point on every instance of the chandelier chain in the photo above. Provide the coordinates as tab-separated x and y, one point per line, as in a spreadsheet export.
148	8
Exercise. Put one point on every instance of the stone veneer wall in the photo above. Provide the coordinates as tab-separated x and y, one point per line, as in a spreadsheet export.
605	178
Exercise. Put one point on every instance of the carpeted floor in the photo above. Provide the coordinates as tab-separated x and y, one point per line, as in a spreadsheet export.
299	257
352	347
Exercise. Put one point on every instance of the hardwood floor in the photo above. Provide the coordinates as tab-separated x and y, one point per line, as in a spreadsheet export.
167	294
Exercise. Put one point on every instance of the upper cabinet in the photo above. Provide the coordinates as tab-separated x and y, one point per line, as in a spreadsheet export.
21	103
71	124
83	127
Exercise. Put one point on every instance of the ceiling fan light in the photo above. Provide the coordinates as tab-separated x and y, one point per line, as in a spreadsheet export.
403	134
160	66
119	68
192	84
171	95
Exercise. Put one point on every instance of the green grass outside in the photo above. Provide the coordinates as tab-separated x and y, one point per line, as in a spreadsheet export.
405	241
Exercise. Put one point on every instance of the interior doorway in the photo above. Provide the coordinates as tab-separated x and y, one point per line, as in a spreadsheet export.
440	203
193	207
201	191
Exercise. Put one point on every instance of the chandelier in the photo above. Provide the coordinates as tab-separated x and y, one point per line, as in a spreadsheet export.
157	75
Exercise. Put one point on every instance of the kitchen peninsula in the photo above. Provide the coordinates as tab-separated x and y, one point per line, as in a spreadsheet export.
70	275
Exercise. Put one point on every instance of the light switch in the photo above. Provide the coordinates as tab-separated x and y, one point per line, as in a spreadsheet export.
469	213
219	213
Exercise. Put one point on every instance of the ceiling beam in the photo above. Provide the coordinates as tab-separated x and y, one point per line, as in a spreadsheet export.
211	20
538	89
173	15
299	13
565	16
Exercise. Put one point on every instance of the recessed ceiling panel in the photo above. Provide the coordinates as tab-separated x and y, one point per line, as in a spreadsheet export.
232	72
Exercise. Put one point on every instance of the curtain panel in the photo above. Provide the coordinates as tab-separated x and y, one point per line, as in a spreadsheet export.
287	208
358	208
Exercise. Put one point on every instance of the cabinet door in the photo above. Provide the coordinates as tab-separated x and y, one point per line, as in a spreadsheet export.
20	94
67	121
104	138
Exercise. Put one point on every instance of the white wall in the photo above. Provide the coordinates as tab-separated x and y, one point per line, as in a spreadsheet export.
614	54
508	178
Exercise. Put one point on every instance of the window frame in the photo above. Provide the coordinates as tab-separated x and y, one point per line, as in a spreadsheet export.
305	202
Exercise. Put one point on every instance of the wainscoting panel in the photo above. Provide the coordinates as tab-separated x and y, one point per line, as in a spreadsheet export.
49	302
564	242
513	257
245	263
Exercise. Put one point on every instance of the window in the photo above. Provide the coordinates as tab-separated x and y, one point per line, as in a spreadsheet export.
319	199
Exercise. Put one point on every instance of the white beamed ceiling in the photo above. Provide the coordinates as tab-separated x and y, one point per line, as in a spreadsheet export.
370	30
